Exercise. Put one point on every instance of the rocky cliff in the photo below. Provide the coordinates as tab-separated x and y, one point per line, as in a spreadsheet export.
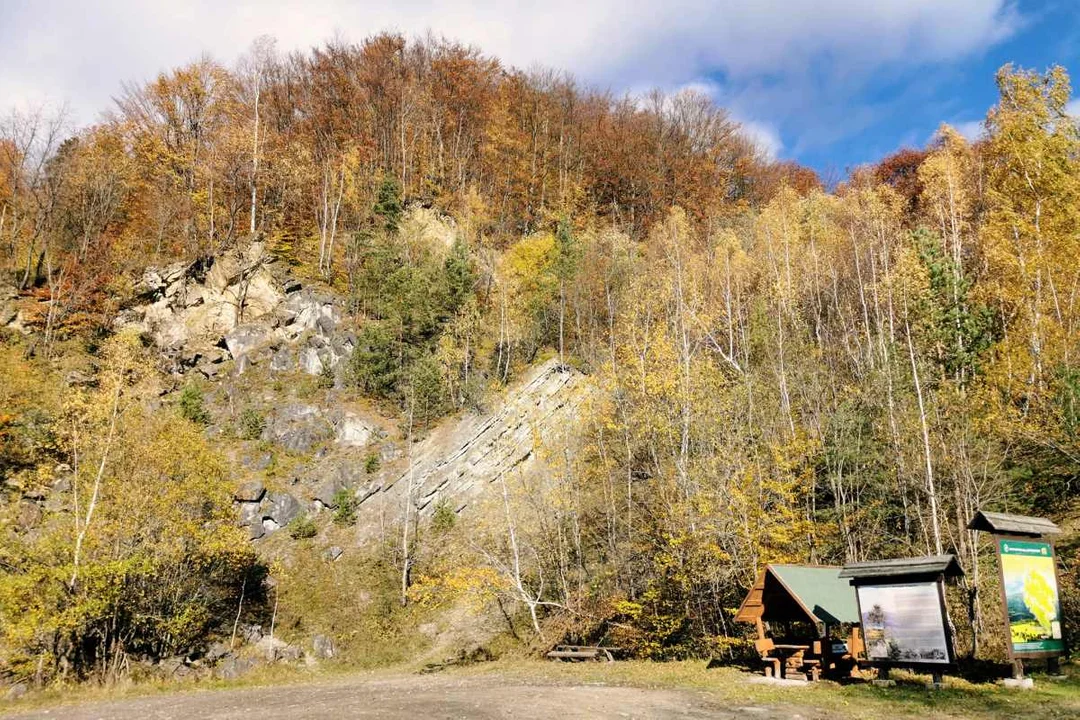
271	353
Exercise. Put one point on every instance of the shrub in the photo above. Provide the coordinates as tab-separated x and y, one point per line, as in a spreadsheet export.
302	527
326	377
191	405
374	363
345	505
252	424
444	518
163	565
426	393
372	463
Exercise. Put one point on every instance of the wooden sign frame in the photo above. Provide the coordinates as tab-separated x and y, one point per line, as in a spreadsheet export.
935	669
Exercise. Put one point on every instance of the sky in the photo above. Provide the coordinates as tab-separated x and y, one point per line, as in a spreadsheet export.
828	83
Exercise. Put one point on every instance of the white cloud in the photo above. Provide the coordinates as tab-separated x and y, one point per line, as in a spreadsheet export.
972	130
779	51
1073	108
765	136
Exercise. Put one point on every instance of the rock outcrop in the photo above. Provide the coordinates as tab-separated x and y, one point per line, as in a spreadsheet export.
460	459
239	306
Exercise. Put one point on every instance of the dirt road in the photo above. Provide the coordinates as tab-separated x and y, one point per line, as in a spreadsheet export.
399	697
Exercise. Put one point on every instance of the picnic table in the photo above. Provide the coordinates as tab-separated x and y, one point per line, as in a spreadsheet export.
785	652
578	653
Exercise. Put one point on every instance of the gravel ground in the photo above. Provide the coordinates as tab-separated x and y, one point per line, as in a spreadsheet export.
411	697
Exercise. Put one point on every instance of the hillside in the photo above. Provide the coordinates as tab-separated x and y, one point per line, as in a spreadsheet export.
386	352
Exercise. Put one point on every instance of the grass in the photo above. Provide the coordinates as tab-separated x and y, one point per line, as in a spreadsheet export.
729	686
724	686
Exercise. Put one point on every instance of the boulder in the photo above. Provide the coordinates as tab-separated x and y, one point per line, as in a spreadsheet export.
216	652
174	668
310	362
259	461
251	491
251	512
16	691
256	530
8	312
353	432
332	553
298	427
233	667
283	508
276	649
328	490
282	360
251	634
242	339
323	647
208	370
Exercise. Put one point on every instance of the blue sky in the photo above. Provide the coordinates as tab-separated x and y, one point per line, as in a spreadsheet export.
829	83
912	101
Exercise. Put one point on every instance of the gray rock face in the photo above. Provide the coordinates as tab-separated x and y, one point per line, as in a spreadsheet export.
323	647
298	427
251	491
283	508
277	650
250	512
174	668
353	432
243	364
282	360
258	461
310	362
8	312
216	652
458	461
305	309
326	492
180	308
233	667
242	339
251	634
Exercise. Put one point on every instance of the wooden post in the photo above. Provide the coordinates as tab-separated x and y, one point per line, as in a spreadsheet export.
1018	667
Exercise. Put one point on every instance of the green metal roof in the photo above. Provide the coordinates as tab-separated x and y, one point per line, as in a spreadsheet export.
821	591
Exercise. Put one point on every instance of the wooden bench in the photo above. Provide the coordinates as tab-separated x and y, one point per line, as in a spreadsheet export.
579	653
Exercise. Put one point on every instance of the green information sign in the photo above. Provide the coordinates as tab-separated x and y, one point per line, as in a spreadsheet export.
1029	580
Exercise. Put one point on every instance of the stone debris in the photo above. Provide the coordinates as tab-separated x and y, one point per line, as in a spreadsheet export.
323	647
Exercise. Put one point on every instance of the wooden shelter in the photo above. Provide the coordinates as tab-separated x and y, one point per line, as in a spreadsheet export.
786	598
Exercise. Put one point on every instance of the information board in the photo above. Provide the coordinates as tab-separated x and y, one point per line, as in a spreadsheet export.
1030	590
904	623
